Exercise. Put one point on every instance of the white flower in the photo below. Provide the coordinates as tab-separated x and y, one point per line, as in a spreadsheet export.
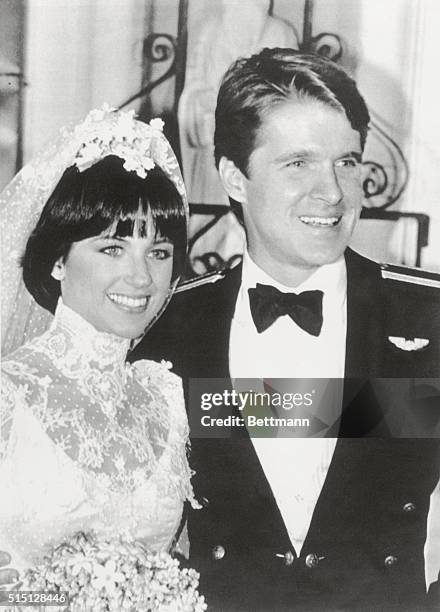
106	577
157	124
132	165
148	163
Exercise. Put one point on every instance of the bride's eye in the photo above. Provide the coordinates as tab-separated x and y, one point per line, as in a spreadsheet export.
113	250
160	253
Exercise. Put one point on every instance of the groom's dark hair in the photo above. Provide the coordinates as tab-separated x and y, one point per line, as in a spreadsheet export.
255	85
85	204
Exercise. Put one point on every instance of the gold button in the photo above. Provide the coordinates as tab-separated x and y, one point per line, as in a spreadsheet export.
390	560
409	507
312	560
218	552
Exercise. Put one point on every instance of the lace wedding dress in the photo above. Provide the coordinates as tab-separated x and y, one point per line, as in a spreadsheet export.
89	442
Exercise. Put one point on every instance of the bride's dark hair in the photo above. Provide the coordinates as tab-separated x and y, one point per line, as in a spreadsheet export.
85	204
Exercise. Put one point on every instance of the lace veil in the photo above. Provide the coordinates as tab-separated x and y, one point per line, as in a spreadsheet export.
104	132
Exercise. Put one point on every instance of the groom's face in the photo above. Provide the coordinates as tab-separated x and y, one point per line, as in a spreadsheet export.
302	197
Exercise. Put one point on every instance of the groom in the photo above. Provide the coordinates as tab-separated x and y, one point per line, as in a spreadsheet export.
331	522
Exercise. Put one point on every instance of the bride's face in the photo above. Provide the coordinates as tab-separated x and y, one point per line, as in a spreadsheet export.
117	284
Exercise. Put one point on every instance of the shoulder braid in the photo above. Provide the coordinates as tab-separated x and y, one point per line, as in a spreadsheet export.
414	276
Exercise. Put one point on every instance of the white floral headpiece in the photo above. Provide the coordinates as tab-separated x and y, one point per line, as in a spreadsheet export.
142	146
107	132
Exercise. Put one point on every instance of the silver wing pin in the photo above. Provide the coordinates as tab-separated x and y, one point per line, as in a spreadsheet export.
416	344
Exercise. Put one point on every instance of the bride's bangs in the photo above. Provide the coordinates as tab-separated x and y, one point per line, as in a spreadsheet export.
139	225
141	205
164	216
111	199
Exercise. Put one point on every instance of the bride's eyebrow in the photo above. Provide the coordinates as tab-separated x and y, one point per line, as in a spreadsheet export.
108	236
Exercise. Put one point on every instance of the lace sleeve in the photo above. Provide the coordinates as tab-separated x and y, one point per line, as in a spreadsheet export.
157	378
10	397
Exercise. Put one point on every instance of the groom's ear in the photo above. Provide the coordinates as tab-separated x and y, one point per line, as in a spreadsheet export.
234	181
58	270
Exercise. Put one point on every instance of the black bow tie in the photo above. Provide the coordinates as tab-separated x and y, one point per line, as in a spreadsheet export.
267	304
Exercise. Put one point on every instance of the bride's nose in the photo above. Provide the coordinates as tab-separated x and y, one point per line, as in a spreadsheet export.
138	273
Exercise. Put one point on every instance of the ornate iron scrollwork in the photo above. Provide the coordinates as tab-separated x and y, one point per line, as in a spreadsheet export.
159	47
384	182
376	180
156	48
327	44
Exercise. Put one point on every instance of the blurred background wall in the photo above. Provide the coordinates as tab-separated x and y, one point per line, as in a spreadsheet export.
11	90
69	56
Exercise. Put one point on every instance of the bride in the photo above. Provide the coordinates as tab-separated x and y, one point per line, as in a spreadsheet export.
89	442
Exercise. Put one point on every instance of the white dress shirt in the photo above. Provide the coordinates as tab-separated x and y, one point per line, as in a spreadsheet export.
285	350
296	468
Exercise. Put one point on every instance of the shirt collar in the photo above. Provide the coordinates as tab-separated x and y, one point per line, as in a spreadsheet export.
329	278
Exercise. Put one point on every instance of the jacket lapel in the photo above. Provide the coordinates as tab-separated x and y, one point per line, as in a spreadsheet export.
214	328
241	452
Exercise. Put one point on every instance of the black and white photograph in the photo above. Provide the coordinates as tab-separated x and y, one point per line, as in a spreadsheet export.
220	305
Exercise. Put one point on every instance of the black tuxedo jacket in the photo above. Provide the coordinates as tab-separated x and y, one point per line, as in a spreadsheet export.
364	548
